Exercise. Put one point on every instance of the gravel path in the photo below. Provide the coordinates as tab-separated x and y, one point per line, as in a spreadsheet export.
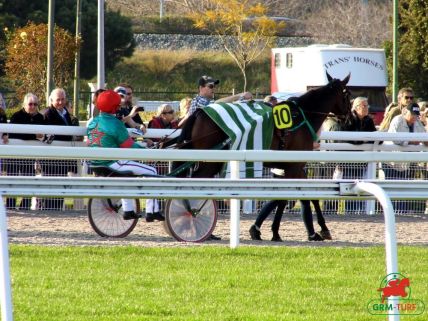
72	228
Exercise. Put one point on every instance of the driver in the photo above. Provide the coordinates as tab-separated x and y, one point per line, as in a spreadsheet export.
106	130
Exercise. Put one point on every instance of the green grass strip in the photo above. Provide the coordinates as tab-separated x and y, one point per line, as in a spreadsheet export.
205	283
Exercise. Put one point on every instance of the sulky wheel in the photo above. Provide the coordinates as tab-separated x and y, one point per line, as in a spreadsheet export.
191	220
106	217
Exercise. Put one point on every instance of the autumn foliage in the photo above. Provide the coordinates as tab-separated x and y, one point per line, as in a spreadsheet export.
27	58
244	29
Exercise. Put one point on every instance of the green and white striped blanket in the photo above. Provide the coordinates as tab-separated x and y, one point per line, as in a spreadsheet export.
248	124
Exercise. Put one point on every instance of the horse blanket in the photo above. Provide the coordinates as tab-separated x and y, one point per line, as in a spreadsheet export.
249	125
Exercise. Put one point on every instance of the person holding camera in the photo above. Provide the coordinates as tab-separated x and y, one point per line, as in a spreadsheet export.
127	113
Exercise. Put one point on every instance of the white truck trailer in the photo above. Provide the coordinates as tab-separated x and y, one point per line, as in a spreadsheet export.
298	69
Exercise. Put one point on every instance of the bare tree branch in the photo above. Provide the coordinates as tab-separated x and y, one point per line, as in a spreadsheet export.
351	22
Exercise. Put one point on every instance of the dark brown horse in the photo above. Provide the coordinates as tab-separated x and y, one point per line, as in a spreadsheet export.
308	114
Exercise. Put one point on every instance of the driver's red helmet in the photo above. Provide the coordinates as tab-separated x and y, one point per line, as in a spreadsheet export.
108	101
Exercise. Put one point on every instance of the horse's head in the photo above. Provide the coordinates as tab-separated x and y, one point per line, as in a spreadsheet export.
342	104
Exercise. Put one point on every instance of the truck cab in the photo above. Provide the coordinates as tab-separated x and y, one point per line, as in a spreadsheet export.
299	69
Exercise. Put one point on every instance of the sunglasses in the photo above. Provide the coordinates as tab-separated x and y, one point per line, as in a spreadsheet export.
168	112
33	104
129	94
210	86
408	97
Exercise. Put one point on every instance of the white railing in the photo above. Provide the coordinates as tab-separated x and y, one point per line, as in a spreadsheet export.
346	189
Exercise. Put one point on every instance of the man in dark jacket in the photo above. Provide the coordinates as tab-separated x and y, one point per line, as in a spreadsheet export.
57	114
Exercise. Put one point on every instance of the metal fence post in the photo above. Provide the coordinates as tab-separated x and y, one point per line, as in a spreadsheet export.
234	209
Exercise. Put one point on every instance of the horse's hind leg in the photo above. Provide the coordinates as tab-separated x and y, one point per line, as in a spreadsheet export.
308	221
325	232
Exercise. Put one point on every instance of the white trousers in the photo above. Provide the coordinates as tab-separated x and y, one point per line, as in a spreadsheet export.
136	169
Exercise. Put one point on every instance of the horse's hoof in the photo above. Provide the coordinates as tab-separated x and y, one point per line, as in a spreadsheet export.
315	237
276	238
325	234
255	233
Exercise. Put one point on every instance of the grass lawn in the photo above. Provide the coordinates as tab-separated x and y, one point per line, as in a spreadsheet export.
205	283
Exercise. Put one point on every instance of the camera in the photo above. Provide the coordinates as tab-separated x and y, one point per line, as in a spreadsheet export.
140	108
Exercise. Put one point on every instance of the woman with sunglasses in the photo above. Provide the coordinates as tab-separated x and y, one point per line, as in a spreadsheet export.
165	118
28	115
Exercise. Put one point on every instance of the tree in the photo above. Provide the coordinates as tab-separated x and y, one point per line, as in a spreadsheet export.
244	29
413	46
27	55
119	39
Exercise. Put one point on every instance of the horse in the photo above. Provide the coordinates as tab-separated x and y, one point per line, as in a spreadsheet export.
308	111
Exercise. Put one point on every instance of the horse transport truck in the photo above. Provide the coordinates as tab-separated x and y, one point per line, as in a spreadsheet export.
294	70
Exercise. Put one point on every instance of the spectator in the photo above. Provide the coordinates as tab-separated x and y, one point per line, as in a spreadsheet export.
58	115
404	97
164	118
270	100
96	111
205	96
360	121
28	115
423	111
107	131
184	107
407	122
128	113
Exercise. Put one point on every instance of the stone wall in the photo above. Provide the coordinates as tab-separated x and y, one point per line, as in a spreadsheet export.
201	42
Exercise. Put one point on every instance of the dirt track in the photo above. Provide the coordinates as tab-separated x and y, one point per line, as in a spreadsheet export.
72	228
